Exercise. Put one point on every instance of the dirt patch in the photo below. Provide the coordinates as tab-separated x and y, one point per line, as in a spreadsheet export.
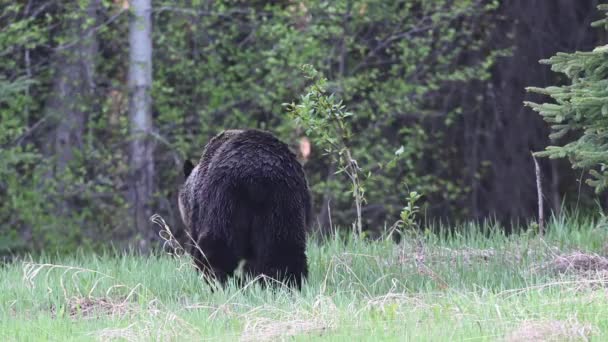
87	308
585	269
579	262
551	330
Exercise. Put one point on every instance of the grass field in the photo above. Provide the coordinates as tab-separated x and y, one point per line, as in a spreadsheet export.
477	286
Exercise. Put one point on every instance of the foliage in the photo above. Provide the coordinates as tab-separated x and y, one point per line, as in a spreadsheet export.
580	109
221	66
226	64
11	128
324	118
32	210
408	216
20	198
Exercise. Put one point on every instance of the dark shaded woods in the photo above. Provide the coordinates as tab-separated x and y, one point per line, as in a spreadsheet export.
502	131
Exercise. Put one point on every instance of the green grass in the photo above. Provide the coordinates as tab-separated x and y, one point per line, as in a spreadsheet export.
476	286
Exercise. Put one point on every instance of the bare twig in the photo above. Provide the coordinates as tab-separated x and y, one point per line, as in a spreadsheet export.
90	32
29	131
539	190
353	174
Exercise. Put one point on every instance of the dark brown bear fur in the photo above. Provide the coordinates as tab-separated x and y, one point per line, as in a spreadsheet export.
247	199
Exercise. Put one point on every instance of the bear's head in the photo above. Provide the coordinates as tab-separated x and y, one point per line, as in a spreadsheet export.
184	195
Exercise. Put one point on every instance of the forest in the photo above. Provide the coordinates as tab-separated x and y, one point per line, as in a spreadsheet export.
98	139
456	153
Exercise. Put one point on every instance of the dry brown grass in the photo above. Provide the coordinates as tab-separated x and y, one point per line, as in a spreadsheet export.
396	299
153	321
81	305
551	330
423	260
586	269
154	325
88	308
318	320
579	262
463	256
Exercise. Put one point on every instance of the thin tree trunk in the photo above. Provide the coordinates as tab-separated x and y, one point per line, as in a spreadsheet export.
555	197
539	191
142	148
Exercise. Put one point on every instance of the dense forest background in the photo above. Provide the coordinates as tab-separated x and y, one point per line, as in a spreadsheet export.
101	101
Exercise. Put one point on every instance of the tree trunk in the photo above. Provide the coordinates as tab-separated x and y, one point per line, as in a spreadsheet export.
140	116
73	89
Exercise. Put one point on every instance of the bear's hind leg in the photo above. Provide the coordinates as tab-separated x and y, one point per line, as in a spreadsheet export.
279	249
215	259
282	261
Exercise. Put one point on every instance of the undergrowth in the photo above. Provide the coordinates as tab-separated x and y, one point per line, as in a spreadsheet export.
478	285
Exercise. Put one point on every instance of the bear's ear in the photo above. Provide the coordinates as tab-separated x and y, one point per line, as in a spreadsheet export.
188	167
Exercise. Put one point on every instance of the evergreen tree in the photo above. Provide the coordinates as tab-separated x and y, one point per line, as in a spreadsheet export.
580	110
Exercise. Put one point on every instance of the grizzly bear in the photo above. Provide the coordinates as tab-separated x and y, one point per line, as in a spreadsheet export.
247	199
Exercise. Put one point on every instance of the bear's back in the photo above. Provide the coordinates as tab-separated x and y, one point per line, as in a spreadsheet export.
255	155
